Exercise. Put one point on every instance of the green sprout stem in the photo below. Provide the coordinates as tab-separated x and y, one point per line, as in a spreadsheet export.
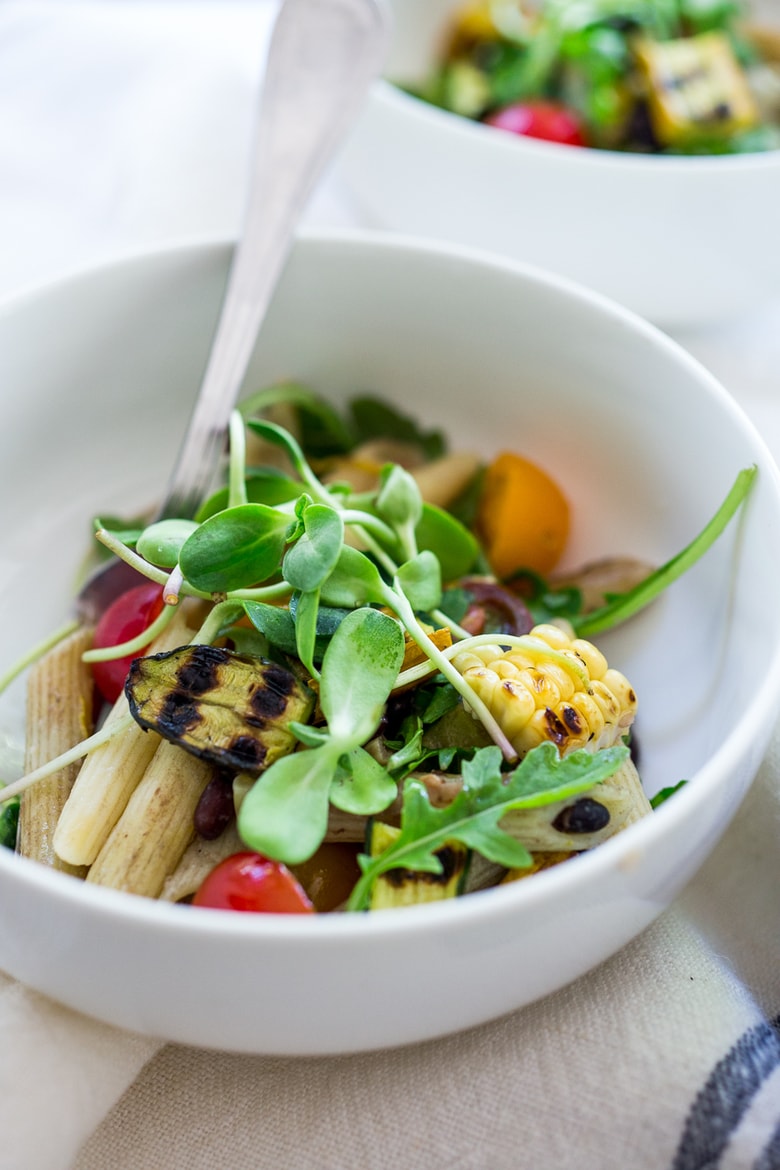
621	607
173	587
131	558
276	592
365	522
219	618
457	631
524	642
237	467
398	602
81	749
133	645
36	652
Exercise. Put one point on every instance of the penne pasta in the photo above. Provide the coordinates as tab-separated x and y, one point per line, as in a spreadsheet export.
148	841
109	775
60	697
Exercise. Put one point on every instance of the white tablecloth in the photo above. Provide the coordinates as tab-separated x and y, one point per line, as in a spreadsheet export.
123	126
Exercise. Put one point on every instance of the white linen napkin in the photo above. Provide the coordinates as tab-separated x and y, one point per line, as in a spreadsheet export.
124	124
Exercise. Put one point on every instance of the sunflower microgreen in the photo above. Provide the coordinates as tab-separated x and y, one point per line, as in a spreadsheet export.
284	815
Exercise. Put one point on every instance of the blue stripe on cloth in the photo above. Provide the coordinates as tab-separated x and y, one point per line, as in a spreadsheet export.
770	1156
726	1098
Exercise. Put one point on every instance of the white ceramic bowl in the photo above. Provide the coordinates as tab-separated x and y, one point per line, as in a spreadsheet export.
97	374
682	241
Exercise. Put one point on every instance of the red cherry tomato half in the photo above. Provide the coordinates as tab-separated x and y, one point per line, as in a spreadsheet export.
248	881
125	618
546	120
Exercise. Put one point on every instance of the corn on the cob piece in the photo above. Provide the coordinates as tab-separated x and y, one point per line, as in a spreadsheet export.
555	687
150	837
109	774
59	715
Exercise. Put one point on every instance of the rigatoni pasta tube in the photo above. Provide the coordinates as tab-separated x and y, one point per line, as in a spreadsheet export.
60	696
150	837
109	774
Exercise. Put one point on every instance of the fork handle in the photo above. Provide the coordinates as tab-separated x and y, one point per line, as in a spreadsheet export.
322	57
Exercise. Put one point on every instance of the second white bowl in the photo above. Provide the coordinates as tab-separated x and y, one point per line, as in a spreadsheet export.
682	241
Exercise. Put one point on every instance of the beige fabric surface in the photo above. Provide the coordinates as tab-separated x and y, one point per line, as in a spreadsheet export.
667	1056
603	1074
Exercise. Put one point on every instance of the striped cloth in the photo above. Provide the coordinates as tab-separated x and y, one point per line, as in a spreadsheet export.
667	1057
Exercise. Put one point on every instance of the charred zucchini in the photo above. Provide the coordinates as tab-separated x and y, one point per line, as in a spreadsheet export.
406	887
231	709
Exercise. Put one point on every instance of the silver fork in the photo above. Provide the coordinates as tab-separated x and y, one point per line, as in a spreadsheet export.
322	58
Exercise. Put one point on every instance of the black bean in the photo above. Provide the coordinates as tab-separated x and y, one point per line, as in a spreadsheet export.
215	809
584	816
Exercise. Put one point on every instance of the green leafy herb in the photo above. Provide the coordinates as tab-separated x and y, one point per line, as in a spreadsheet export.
374	419
664	794
473	817
236	548
309	561
456	549
161	543
285	813
264	485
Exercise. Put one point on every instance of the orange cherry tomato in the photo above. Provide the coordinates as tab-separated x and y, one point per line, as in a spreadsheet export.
125	618
251	882
522	517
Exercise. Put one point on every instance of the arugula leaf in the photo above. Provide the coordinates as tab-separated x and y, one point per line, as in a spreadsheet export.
443	699
279	624
545	602
473	817
409	750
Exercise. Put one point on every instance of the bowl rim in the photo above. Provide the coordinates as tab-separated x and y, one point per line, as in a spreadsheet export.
466	133
496	903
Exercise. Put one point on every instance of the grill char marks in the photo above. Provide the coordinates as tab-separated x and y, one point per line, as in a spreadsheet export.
229	708
269	699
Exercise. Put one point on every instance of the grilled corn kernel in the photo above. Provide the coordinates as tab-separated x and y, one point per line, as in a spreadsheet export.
553	686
